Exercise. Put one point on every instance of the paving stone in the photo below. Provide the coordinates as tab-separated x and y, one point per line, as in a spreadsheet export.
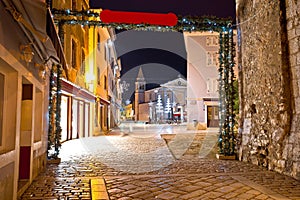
262	196
190	188
100	195
230	195
188	177
168	195
245	196
225	189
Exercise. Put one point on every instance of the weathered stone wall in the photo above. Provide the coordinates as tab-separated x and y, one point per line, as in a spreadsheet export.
268	74
292	144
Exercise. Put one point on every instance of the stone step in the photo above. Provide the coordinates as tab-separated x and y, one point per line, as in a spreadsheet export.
98	189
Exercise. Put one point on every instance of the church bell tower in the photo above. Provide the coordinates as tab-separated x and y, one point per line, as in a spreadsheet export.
139	96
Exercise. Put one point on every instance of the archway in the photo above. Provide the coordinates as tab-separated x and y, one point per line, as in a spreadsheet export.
187	24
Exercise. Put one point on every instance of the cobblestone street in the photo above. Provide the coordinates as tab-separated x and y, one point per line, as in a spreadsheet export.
155	163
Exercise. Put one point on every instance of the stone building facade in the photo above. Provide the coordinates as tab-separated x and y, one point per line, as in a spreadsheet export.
269	80
28	54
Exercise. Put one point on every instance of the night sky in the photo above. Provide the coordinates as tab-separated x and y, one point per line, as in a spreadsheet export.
219	8
162	55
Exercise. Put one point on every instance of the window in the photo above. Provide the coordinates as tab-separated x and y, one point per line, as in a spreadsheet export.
74	49
107	53
212	40
1	105
82	69
98	42
98	76
212	85
105	82
74	5
212	58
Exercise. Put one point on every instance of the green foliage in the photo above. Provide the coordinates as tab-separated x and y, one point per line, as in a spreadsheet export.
236	97
184	24
54	130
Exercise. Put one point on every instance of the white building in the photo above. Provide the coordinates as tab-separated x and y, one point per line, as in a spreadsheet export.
202	77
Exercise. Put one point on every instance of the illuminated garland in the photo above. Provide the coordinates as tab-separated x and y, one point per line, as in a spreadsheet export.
226	92
54	131
185	24
81	13
57	143
51	114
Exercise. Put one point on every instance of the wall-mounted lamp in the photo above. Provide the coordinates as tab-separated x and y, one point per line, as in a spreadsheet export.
42	70
26	53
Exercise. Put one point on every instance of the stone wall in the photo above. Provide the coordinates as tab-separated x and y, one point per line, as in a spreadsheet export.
268	47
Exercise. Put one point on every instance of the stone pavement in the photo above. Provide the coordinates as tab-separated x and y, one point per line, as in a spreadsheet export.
151	163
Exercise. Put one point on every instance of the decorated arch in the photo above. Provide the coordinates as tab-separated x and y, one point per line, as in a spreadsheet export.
226	77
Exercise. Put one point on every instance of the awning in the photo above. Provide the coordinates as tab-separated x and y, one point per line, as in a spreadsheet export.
77	91
36	19
103	101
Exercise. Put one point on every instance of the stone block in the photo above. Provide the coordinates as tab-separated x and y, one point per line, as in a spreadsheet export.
281	163
294	45
201	126
296	153
297	30
223	157
99	195
298	61
296	169
297	106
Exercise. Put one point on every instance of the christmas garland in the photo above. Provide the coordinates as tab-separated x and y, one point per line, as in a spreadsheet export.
226	92
54	130
184	24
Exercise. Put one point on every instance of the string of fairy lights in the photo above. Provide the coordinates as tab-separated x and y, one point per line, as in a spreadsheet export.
54	130
185	24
